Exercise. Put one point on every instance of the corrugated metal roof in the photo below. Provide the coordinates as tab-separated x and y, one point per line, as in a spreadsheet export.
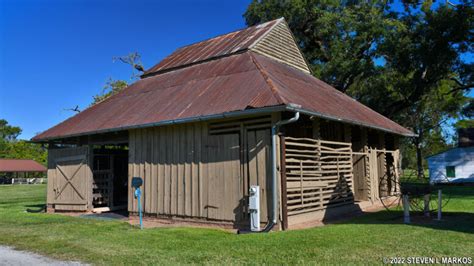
219	46
294	86
238	82
20	165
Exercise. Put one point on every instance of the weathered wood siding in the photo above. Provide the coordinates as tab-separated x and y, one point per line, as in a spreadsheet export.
360	163
69	179
318	174
280	45
189	171
257	165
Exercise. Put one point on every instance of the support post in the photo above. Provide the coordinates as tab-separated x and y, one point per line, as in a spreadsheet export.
439	204
426	200
284	196
406	210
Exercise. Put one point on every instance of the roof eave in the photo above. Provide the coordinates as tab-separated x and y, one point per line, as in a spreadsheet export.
293	108
270	109
232	114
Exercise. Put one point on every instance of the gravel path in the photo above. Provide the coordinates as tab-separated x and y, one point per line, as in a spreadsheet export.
9	256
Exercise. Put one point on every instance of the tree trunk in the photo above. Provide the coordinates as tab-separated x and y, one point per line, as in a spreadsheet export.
419	162
419	155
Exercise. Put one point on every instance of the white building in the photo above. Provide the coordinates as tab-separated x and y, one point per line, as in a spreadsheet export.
454	165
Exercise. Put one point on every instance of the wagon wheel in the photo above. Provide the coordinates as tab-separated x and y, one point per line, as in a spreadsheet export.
394	203
416	200
445	198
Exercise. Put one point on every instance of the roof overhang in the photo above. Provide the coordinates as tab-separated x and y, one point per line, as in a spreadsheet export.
233	114
338	119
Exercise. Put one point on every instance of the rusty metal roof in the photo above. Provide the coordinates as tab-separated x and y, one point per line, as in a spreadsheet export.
20	165
321	99
234	83
219	46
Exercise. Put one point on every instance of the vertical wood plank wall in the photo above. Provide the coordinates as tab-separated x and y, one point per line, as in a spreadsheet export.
174	162
360	163
189	172
70	163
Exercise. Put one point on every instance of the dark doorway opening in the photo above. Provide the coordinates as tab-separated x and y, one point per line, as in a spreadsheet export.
110	178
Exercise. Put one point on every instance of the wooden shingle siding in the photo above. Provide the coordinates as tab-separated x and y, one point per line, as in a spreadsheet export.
280	45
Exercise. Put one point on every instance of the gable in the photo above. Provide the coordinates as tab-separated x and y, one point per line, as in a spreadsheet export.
272	39
217	47
279	44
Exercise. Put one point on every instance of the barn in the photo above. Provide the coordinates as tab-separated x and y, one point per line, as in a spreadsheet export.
213	119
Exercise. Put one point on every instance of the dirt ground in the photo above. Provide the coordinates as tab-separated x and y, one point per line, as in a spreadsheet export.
9	256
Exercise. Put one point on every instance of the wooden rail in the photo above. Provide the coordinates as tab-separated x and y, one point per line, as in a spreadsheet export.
318	174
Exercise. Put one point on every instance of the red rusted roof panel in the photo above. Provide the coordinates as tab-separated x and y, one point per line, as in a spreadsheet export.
234	83
20	165
216	47
229	84
295	86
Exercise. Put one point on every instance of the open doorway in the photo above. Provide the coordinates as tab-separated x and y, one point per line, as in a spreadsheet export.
110	178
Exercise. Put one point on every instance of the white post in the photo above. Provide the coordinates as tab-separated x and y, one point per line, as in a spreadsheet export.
439	204
427	205
406	210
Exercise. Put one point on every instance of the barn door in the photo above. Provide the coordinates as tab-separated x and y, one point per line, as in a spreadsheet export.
225	182
69	178
258	166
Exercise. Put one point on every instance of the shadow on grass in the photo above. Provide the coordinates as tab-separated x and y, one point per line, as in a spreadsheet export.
451	221
454	189
35	205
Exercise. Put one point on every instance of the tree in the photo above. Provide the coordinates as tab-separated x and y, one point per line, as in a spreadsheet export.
467	115
425	70
135	61
112	87
406	65
11	147
8	132
22	149
338	38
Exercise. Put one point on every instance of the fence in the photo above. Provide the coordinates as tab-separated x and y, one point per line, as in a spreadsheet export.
7	180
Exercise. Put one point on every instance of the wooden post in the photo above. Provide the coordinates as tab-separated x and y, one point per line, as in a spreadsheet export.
301	181
284	197
320	169
427	205
406	210
439	204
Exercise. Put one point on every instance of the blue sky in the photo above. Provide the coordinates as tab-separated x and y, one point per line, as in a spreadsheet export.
56	54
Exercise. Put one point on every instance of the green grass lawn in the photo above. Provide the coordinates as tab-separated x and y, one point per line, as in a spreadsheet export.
362	240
